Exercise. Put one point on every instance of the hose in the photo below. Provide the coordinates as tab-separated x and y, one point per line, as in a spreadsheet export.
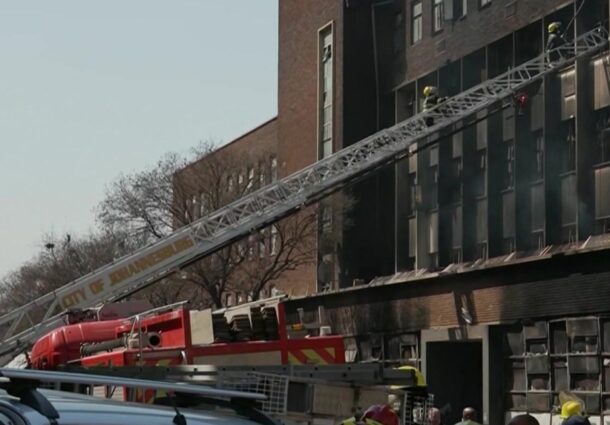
575	15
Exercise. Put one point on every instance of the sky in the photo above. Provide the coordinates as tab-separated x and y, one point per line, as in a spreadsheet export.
92	89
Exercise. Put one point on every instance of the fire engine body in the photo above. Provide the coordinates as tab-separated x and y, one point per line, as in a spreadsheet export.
185	337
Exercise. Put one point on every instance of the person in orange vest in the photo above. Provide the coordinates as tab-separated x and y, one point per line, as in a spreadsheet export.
377	414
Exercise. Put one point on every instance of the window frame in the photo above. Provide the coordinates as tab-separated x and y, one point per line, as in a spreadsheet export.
438	16
326	89
420	18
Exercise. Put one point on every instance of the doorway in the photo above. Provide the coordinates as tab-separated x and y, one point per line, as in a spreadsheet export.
455	377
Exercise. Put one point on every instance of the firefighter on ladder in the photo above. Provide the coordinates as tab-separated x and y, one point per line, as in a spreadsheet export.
555	39
431	99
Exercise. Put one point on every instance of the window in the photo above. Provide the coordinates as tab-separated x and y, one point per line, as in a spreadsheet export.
456	228
568	200
483	3
603	139
437	15
480	172
569	149
262	177
412	193
250	246
416	22
481	228
250	178
433	233
273	247
537	206
568	94
460	8
262	249
546	358
602	193
203	204
399	33
508	214
327	219
230	184
273	168
326	92
539	158
195	206
509	164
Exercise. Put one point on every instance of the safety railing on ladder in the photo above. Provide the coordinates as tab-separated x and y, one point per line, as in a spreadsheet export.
267	205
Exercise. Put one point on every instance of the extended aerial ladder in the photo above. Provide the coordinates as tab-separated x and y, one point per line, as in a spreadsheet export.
269	204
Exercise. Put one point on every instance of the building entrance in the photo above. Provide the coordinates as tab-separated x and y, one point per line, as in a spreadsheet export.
455	377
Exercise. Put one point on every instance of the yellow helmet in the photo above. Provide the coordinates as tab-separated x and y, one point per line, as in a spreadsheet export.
570	408
553	27
419	377
429	90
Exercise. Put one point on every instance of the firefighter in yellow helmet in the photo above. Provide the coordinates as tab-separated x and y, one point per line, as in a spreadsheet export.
431	99
570	408
555	40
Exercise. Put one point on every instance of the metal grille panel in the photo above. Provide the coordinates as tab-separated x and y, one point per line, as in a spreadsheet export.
275	387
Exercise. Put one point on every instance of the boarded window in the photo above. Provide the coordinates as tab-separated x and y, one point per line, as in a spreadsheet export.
412	237
602	193
601	78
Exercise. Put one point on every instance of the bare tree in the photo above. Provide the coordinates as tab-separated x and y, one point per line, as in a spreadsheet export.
150	203
61	260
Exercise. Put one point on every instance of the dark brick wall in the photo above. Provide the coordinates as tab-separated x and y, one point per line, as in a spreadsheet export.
559	286
479	28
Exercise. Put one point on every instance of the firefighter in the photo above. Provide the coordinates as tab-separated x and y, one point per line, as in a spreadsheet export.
556	39
377	414
431	99
577	420
570	408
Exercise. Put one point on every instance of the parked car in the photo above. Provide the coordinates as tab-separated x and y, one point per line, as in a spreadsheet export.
24	402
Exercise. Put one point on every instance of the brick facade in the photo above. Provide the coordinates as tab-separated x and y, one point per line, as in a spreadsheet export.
298	101
480	26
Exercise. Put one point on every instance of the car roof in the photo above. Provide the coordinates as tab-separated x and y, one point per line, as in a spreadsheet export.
79	409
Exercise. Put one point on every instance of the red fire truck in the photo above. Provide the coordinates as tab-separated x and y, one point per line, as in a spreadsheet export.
251	334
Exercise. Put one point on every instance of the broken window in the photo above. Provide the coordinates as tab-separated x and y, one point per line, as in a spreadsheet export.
509	164
569	149
568	94
480	180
